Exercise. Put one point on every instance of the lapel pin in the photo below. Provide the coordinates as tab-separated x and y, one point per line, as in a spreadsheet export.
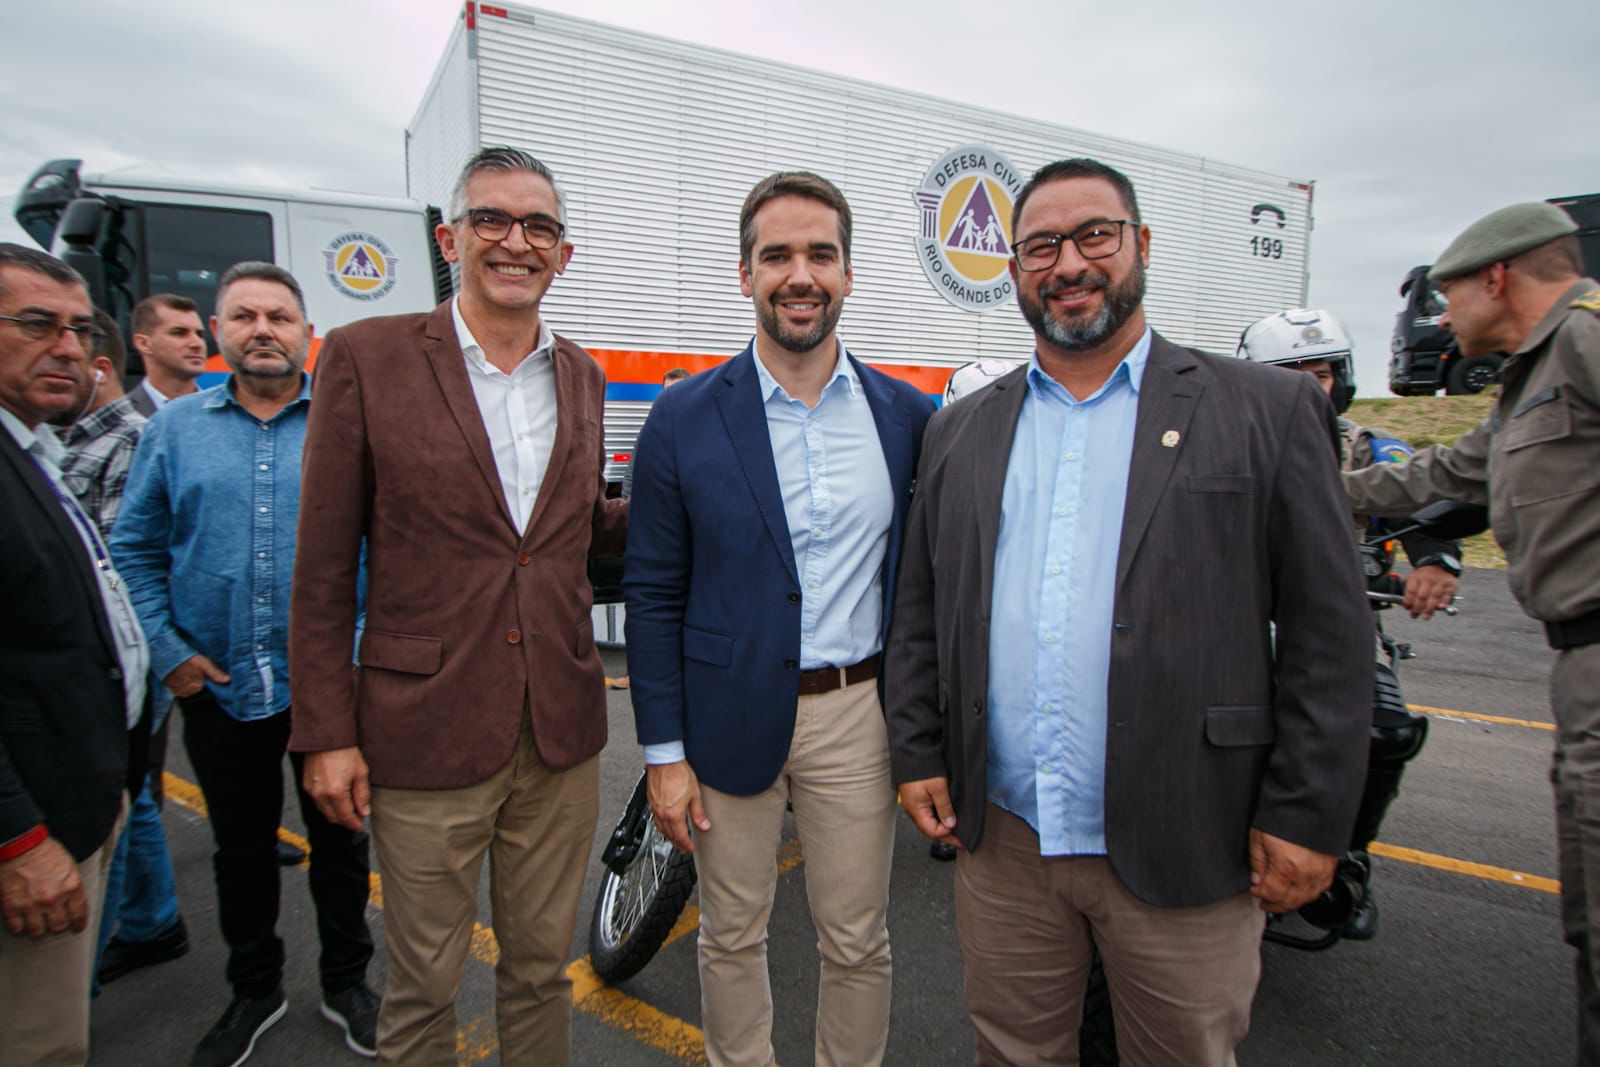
1169	439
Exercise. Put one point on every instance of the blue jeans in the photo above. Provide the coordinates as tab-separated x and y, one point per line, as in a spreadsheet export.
141	893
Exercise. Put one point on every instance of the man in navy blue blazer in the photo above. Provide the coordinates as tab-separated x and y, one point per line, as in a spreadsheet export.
769	498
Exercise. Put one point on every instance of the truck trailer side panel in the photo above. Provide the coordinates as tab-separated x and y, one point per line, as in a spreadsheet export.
656	143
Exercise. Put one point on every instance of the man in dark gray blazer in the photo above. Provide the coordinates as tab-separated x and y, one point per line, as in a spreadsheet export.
1131	667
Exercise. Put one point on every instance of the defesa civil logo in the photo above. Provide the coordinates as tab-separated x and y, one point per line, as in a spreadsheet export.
965	240
360	265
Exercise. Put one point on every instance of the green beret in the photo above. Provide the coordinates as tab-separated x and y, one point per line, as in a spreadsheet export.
1500	235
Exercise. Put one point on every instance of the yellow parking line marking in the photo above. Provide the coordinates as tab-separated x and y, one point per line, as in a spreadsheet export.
1447	713
648	1025
476	1041
1474	870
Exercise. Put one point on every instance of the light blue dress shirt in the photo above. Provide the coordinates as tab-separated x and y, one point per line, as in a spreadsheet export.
1054	589
205	540
838	503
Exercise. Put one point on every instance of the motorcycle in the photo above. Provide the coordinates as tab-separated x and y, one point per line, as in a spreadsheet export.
643	890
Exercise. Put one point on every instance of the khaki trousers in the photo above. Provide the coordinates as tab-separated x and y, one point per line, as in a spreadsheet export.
1181	979
1575	773
837	778
44	983
536	825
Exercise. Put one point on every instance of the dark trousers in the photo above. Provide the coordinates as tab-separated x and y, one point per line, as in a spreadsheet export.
240	768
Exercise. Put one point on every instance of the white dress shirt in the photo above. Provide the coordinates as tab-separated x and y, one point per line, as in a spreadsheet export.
157	397
519	412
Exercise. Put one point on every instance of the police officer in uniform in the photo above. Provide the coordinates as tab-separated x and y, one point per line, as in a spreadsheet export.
1514	284
1315	342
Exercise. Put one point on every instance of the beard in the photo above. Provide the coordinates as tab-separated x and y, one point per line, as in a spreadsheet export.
1080	334
790	338
278	362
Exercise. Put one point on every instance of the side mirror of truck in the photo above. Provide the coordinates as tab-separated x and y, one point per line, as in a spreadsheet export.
82	226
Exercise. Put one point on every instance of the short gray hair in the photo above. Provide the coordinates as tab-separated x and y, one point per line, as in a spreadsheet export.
506	160
31	259
261	271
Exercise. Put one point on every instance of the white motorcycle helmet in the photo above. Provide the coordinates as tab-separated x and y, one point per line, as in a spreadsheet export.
1304	335
970	377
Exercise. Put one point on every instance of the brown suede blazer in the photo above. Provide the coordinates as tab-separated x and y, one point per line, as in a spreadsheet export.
467	621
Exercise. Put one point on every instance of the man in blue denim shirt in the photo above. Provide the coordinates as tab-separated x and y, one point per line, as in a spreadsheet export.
205	541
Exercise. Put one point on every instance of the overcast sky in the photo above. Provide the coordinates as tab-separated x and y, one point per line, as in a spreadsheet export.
1413	119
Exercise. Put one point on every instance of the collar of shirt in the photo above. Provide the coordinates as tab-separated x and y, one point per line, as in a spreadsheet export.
98	423
473	351
842	368
1041	385
227	396
157	397
43	445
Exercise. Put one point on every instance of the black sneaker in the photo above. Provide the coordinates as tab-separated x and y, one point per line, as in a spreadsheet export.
230	1042
120	957
356	1010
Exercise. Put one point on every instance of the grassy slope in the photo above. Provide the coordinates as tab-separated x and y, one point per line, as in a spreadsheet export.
1429	420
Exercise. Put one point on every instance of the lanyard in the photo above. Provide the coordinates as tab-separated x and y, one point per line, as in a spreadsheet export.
102	557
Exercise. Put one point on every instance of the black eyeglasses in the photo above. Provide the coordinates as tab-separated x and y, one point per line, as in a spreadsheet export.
1094	240
541	231
50	328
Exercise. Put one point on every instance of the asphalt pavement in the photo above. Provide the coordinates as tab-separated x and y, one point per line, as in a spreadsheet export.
1468	966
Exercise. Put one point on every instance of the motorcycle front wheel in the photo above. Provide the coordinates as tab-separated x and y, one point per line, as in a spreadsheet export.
638	903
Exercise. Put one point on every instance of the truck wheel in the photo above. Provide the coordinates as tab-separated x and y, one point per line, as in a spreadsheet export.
1097	1034
637	907
1472	375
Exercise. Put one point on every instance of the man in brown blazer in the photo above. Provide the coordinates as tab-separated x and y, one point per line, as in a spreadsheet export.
461	449
1084	687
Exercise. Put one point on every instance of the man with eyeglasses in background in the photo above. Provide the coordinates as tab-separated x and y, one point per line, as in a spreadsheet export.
73	664
462	447
100	433
1083	686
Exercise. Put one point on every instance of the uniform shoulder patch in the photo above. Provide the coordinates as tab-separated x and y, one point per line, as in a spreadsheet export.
1589	301
1388	449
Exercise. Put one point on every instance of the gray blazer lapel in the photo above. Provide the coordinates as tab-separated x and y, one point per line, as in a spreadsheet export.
994	426
1167	398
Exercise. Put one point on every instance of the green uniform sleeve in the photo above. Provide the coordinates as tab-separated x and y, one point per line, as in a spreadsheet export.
1459	472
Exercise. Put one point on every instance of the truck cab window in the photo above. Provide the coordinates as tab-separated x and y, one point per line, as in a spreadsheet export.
189	248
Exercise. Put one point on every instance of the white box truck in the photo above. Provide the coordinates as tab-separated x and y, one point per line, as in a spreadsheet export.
656	142
138	231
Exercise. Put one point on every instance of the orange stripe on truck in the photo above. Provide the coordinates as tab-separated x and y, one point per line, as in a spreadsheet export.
648	368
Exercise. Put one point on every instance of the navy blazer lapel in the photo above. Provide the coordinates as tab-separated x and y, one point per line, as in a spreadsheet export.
894	434
744	414
444	354
893	421
994	427
1167	398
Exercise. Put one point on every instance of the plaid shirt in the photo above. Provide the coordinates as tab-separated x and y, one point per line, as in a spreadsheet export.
99	452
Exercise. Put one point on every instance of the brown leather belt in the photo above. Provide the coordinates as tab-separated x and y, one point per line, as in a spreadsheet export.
1574	633
827	679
